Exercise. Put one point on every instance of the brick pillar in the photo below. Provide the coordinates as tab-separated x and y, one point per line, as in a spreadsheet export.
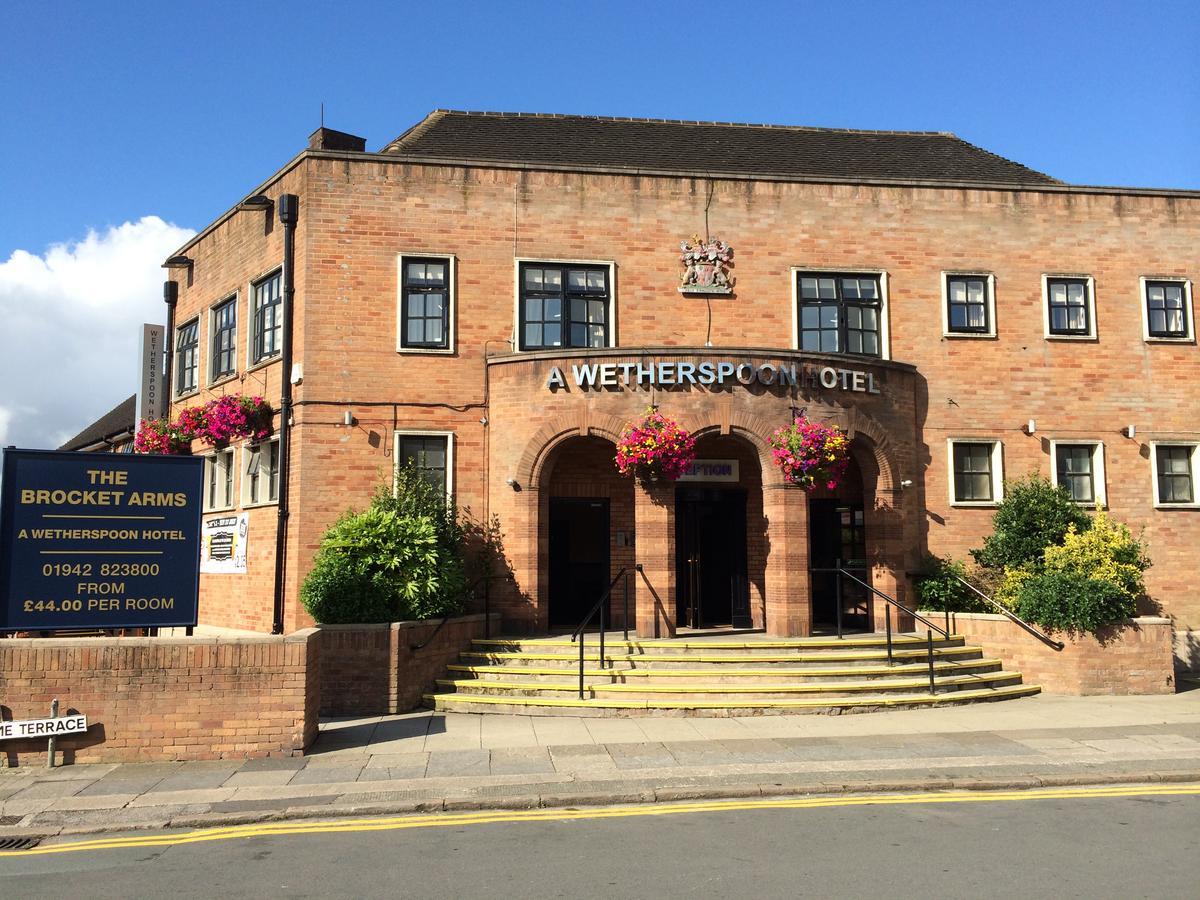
789	594
654	536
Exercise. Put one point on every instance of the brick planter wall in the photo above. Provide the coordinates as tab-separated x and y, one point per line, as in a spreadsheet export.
164	698
1135	657
373	670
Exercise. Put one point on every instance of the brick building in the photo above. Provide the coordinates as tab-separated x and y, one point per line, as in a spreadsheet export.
495	296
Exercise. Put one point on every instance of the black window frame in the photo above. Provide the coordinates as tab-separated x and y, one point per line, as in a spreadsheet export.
408	289
957	470
1182	286
1069	479
844	306
259	317
403	457
1088	310
187	358
1189	475
223	340
567	319
967	277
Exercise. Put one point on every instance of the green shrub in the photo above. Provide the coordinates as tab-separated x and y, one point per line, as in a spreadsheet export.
1106	551
339	590
1068	601
1033	515
939	589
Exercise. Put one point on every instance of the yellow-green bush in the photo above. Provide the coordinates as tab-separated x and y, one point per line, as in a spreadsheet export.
1106	552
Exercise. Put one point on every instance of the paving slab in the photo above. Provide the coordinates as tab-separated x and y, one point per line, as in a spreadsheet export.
273	764
40	790
398	761
521	761
260	778
327	774
98	801
194	779
443	763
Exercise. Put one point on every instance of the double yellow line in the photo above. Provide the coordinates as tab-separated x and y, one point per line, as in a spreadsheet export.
451	820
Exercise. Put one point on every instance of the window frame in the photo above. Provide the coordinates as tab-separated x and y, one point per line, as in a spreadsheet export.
252	316
518	313
1089	306
406	256
1189	335
177	388
248	452
1099	483
1194	461
228	457
989	302
214	375
997	471
885	343
449	435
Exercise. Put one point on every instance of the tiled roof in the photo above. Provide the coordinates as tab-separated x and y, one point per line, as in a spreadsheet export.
701	147
117	421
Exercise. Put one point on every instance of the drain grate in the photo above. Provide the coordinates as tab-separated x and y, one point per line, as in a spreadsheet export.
19	843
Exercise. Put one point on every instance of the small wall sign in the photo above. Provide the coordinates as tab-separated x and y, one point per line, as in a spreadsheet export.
40	728
223	544
711	470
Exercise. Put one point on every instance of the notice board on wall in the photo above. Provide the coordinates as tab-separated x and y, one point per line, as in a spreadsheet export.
98	540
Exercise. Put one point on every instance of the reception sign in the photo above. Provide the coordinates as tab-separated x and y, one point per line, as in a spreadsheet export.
98	540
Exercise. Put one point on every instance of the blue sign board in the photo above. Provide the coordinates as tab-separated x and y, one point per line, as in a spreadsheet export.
98	540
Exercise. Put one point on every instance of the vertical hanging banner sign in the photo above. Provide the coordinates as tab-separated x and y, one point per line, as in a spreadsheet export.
98	540
149	404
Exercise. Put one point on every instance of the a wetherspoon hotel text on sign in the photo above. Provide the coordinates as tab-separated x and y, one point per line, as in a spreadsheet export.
98	540
715	372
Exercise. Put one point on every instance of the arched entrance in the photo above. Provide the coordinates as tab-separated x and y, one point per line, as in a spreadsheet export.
838	539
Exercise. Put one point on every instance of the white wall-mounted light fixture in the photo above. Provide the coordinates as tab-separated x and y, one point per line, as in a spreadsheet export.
348	419
512	483
1129	431
1031	427
906	483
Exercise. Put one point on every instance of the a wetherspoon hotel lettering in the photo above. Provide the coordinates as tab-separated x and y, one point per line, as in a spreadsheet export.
716	372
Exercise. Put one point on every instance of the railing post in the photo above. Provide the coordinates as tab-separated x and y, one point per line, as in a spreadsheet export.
932	685
838	593
487	607
947	621
602	605
625	614
581	639
887	614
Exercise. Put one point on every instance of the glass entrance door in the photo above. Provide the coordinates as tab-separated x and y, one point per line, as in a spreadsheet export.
711	587
837	538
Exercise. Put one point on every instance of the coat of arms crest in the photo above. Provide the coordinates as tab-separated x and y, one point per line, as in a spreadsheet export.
705	266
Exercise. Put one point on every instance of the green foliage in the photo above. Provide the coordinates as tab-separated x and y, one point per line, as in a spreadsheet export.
1033	515
1106	552
1069	601
400	559
939	588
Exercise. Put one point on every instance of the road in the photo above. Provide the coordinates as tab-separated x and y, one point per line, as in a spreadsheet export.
1095	843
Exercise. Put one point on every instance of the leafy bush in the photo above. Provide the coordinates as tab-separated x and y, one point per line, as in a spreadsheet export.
1106	552
939	589
400	559
1069	601
1033	515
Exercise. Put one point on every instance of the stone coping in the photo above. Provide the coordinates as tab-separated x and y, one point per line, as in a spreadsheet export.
198	640
994	617
836	360
406	624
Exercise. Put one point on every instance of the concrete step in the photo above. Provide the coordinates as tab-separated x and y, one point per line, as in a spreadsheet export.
870	656
608	706
676	647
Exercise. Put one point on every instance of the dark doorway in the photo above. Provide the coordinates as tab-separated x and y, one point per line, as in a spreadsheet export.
710	557
579	559
838	538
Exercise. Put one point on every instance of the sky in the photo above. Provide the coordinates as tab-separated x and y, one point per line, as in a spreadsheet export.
127	126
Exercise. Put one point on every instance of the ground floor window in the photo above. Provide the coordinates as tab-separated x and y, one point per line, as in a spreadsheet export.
260	478
431	453
218	481
975	471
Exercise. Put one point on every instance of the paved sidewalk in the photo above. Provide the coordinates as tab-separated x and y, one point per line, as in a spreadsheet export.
432	761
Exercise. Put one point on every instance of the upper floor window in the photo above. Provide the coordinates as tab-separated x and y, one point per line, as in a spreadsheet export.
432	455
268	318
839	313
975	472
1175	471
1167	309
968	305
224	339
1079	467
187	356
425	286
1070	306
564	305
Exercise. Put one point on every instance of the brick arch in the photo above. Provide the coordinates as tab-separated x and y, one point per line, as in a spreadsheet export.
750	435
871	444
532	464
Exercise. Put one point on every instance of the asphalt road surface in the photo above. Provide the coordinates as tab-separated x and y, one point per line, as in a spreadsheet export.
1076	843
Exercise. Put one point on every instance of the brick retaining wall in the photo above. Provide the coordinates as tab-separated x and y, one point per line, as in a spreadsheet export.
373	670
1135	657
165	698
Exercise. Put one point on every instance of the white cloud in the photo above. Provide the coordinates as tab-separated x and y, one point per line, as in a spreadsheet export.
69	326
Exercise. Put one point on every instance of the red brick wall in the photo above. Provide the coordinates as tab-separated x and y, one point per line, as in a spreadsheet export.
165	698
1133	658
373	670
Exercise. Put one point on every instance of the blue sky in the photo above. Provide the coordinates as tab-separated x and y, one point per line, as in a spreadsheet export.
113	112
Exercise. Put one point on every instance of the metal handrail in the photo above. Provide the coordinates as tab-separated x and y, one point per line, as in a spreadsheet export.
578	633
944	632
1040	635
485	580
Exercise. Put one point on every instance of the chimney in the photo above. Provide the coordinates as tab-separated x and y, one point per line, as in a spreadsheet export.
328	139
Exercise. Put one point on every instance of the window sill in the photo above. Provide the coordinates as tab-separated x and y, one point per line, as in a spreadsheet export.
186	396
1170	340
974	504
1170	506
1071	337
224	379
219	509
263	363
426	351
261	505
976	335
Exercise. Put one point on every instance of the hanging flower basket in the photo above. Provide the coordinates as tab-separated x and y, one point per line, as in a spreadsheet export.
811	454
161	436
654	448
234	416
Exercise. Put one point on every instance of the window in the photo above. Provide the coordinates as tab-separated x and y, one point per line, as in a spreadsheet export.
968	307
224	339
839	313
268	318
187	357
431	453
218	480
1079	467
1175	474
426	284
975	472
260	478
1070	311
564	305
1167	309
